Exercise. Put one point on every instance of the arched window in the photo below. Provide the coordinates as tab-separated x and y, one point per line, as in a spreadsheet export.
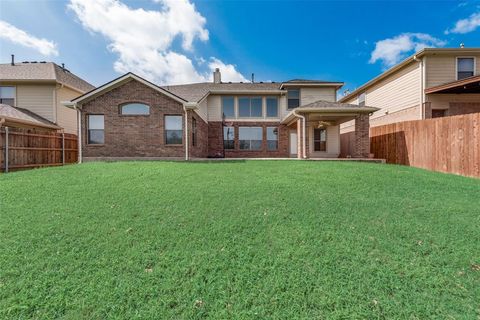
130	109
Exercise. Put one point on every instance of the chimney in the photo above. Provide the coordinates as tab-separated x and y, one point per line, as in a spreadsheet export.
13	59
217	76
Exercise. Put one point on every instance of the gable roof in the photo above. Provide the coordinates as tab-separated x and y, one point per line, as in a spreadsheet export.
26	117
42	71
124	79
407	61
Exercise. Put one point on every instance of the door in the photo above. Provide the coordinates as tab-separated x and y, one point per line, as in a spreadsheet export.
293	144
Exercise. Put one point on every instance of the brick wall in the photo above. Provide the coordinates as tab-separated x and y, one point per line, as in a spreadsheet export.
215	139
133	136
200	149
362	136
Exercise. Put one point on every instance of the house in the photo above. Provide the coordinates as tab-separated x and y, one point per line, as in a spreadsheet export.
21	118
130	117
40	87
434	82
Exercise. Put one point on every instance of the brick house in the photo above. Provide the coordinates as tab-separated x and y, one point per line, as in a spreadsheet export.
130	117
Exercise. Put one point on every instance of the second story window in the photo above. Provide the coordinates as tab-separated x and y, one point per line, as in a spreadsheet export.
7	95
465	68
250	107
293	96
272	107
134	109
361	99
228	107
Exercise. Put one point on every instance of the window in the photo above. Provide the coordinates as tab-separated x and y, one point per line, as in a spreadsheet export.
229	138
194	132
272	107
465	68
250	107
361	99
250	138
272	138
136	109
7	95
173	130
438	113
96	129
319	140
228	107
293	96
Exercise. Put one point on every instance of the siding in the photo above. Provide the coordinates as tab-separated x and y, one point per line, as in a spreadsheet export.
37	98
442	101
202	110
309	95
441	69
66	117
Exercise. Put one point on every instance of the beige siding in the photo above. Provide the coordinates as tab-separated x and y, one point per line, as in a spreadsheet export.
333	143
66	117
441	69
214	107
309	95
38	99
442	101
203	109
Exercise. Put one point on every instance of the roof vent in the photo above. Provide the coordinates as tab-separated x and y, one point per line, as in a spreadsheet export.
229	81
13	59
43	61
261	81
241	81
462	45
33	61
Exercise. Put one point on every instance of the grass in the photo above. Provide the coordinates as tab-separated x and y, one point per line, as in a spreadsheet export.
239	240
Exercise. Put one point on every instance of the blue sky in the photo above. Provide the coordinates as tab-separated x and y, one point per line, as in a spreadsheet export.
172	41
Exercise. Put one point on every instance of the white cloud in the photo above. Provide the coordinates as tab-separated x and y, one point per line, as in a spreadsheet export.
143	39
392	50
466	25
229	72
18	36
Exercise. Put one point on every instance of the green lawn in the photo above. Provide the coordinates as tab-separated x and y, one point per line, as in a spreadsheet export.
239	240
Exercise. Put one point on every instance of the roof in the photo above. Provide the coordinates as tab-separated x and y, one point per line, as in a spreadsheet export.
124	79
23	116
329	107
467	85
42	71
407	61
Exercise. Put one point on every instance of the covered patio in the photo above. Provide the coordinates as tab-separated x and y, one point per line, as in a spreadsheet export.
315	129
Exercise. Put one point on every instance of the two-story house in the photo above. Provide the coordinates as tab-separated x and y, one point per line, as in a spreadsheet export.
40	88
130	117
434	82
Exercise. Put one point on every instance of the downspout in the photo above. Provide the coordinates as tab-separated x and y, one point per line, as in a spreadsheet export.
79	132
186	132
304	153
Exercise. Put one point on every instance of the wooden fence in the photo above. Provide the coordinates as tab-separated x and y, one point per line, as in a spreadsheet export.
449	144
25	148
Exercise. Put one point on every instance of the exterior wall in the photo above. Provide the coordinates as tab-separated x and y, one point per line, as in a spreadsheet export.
132	136
309	95
66	117
37	98
333	142
215	146
203	110
200	149
441	68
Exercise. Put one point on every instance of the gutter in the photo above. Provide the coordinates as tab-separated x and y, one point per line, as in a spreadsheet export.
304	155
73	105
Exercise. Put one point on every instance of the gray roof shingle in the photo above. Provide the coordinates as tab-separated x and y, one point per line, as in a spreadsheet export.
23	115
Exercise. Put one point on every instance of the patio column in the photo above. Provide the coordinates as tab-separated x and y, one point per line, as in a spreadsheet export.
362	136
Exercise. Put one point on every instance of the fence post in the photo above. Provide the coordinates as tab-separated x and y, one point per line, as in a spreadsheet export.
63	149
6	149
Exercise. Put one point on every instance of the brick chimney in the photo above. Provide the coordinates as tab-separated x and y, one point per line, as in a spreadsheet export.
217	76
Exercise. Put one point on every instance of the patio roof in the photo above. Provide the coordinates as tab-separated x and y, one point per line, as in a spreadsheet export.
329	108
467	85
13	116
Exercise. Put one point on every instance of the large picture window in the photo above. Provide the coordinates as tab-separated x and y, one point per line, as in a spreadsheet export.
465	68
250	107
319	140
250	138
173	130
293	97
272	107
135	109
96	129
272	138
229	138
228	107
7	96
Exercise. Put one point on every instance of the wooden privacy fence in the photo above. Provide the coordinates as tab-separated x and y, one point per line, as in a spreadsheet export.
25	148
449	144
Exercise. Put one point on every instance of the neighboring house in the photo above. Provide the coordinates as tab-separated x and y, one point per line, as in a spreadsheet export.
21	118
40	87
431	83
131	117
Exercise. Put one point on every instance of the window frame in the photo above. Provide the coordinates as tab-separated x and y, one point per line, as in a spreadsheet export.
267	140
88	129
299	98
465	57
266	106
250	140
250	98
320	141
121	106
14	95
234	108
165	130
227	140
